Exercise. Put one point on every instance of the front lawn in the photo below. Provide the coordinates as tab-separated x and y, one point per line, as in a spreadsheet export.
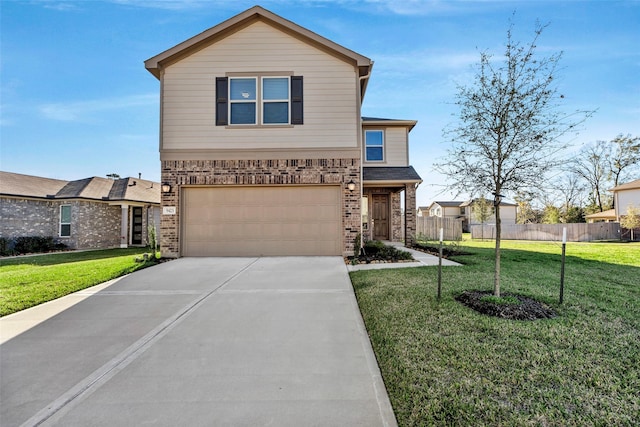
445	364
29	281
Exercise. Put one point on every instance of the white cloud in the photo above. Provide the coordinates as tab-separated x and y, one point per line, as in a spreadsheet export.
83	110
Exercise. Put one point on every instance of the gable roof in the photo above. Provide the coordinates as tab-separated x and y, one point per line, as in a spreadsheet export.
94	188
448	204
608	214
627	186
155	64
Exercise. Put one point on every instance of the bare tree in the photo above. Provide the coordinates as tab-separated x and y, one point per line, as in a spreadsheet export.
625	156
592	165
509	131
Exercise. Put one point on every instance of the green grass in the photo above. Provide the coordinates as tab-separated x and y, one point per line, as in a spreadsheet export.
445	364
29	281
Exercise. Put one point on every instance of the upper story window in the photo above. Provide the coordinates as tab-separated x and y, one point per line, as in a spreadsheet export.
259	100
374	145
65	221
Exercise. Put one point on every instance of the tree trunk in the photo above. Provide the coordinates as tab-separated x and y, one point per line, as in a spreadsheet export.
496	277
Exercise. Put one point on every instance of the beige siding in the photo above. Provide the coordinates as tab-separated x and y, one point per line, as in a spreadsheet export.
395	150
330	94
627	198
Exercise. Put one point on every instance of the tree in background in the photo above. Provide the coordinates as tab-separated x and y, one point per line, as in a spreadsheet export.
592	165
526	214
603	165
625	157
481	210
631	219
551	215
509	128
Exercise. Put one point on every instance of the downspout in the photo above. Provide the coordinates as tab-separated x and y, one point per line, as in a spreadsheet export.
360	144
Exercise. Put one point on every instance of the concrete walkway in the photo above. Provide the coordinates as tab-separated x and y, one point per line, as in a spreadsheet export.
197	342
422	259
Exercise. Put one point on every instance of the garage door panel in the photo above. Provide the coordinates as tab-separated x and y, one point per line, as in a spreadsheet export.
267	221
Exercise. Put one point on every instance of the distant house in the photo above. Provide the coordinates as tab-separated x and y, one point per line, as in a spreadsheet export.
445	209
605	216
508	214
90	213
464	210
624	196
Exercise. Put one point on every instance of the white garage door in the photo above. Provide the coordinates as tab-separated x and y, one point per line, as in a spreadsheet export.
261	221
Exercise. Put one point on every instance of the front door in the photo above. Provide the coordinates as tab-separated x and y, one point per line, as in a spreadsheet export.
136	226
380	216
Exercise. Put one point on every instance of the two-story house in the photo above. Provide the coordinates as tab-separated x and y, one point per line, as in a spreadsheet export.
264	150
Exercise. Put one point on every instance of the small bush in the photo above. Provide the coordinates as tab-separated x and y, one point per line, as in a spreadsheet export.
376	250
29	245
6	247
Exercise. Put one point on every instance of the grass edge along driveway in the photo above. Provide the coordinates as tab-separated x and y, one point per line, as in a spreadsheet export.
28	281
444	364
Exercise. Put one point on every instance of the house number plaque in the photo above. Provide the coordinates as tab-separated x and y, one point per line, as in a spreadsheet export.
168	210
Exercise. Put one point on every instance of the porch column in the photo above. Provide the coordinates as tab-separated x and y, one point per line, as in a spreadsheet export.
409	215
124	226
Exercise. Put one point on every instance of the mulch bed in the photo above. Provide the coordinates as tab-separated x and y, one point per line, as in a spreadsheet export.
528	309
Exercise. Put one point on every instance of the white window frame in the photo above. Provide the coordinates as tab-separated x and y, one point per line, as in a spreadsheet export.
272	101
240	101
382	147
259	101
64	223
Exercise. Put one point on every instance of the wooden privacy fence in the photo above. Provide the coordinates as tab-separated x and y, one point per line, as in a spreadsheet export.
551	232
428	227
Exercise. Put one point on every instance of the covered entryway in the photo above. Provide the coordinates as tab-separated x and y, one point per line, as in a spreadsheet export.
380	216
261	221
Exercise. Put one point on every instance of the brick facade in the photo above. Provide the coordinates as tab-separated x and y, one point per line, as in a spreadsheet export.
94	225
260	172
25	217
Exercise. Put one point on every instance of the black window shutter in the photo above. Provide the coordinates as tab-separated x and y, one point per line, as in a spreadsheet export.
222	93
296	100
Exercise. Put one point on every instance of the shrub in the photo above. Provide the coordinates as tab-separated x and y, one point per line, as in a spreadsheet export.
6	246
377	250
29	245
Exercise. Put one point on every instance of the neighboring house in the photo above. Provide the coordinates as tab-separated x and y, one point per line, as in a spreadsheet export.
508	214
626	195
446	209
89	213
264	150
466	212
423	211
605	216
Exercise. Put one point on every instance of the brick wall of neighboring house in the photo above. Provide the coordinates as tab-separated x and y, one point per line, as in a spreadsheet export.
27	217
260	172
95	225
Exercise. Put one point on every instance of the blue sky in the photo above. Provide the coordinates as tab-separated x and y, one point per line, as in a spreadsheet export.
76	100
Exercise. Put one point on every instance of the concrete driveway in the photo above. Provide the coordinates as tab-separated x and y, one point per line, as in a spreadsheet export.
197	342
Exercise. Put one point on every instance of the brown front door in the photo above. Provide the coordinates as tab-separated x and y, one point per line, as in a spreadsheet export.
380	217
